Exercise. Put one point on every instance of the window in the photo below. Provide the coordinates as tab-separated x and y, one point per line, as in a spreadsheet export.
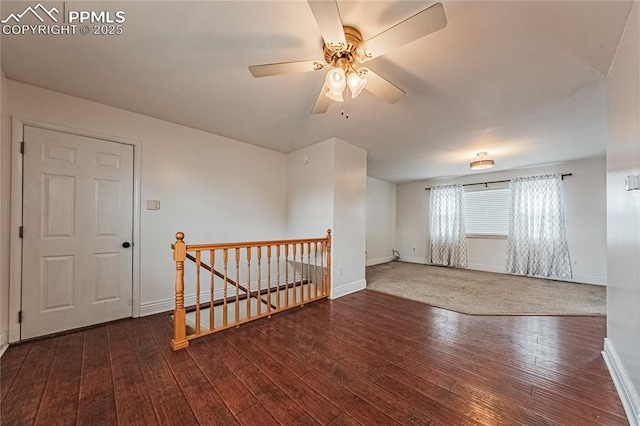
486	212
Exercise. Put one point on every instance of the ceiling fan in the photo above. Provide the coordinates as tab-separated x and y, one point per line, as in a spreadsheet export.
345	50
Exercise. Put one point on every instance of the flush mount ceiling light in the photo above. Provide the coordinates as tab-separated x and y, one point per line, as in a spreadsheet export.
345	50
481	163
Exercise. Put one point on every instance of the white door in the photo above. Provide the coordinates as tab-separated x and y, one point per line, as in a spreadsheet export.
77	213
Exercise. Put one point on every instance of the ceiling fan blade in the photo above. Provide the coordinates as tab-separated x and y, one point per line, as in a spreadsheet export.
328	19
322	103
383	88
419	25
285	68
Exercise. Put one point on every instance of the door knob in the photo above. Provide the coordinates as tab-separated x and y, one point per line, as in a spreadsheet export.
126	244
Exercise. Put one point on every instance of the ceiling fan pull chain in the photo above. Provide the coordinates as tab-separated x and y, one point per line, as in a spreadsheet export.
347	108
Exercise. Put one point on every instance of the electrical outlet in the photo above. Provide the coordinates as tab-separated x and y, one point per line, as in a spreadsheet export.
339	271
632	182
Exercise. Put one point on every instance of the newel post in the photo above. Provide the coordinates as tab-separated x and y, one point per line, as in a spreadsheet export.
179	340
329	262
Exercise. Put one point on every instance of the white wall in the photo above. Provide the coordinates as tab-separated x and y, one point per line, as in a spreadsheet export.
310	190
349	219
381	220
330	192
585	205
210	187
5	188
622	346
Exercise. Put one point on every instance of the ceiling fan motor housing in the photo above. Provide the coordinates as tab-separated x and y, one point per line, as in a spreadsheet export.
354	51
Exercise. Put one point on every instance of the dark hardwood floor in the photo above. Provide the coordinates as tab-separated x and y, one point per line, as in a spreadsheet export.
367	358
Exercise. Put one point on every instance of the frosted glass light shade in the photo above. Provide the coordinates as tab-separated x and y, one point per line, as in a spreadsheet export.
356	83
334	96
336	81
482	162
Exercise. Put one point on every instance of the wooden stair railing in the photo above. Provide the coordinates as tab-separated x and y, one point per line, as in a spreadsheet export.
289	273
229	281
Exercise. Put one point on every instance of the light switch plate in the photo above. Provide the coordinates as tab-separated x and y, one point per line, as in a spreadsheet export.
153	204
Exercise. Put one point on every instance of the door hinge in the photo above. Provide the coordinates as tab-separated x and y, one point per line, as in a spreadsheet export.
22	148
19	316
21	232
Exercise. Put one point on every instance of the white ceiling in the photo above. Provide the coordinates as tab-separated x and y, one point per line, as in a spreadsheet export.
523	80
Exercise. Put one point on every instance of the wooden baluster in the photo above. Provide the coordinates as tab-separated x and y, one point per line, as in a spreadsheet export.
315	267
225	260
179	340
259	278
308	271
302	273
278	280
198	263
212	262
248	282
237	306
286	275
328	286
295	296
269	280
321	266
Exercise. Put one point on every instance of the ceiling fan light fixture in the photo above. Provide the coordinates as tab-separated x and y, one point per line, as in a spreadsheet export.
481	163
356	83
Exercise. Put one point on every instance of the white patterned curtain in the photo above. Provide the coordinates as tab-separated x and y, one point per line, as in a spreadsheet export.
537	243
447	240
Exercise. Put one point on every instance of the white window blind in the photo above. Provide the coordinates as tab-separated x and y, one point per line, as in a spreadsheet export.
486	212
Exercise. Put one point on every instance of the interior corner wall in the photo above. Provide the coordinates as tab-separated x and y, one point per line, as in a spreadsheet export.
381	221
622	346
310	190
585	207
5	196
212	188
327	189
349	218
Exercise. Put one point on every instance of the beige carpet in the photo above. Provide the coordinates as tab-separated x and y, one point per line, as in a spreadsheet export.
486	293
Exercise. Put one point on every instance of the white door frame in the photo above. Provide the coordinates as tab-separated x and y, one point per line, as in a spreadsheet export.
15	252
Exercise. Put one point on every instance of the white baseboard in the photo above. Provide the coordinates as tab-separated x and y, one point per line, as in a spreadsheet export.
582	279
588	279
4	341
412	259
156	307
486	268
379	260
627	392
165	305
345	289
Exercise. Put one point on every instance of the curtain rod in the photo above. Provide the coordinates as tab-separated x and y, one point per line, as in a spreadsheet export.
502	181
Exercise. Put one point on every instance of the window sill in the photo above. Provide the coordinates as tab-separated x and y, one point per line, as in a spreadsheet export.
487	236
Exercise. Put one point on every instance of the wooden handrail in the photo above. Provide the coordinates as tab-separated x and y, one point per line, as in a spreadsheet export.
311	263
246	244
